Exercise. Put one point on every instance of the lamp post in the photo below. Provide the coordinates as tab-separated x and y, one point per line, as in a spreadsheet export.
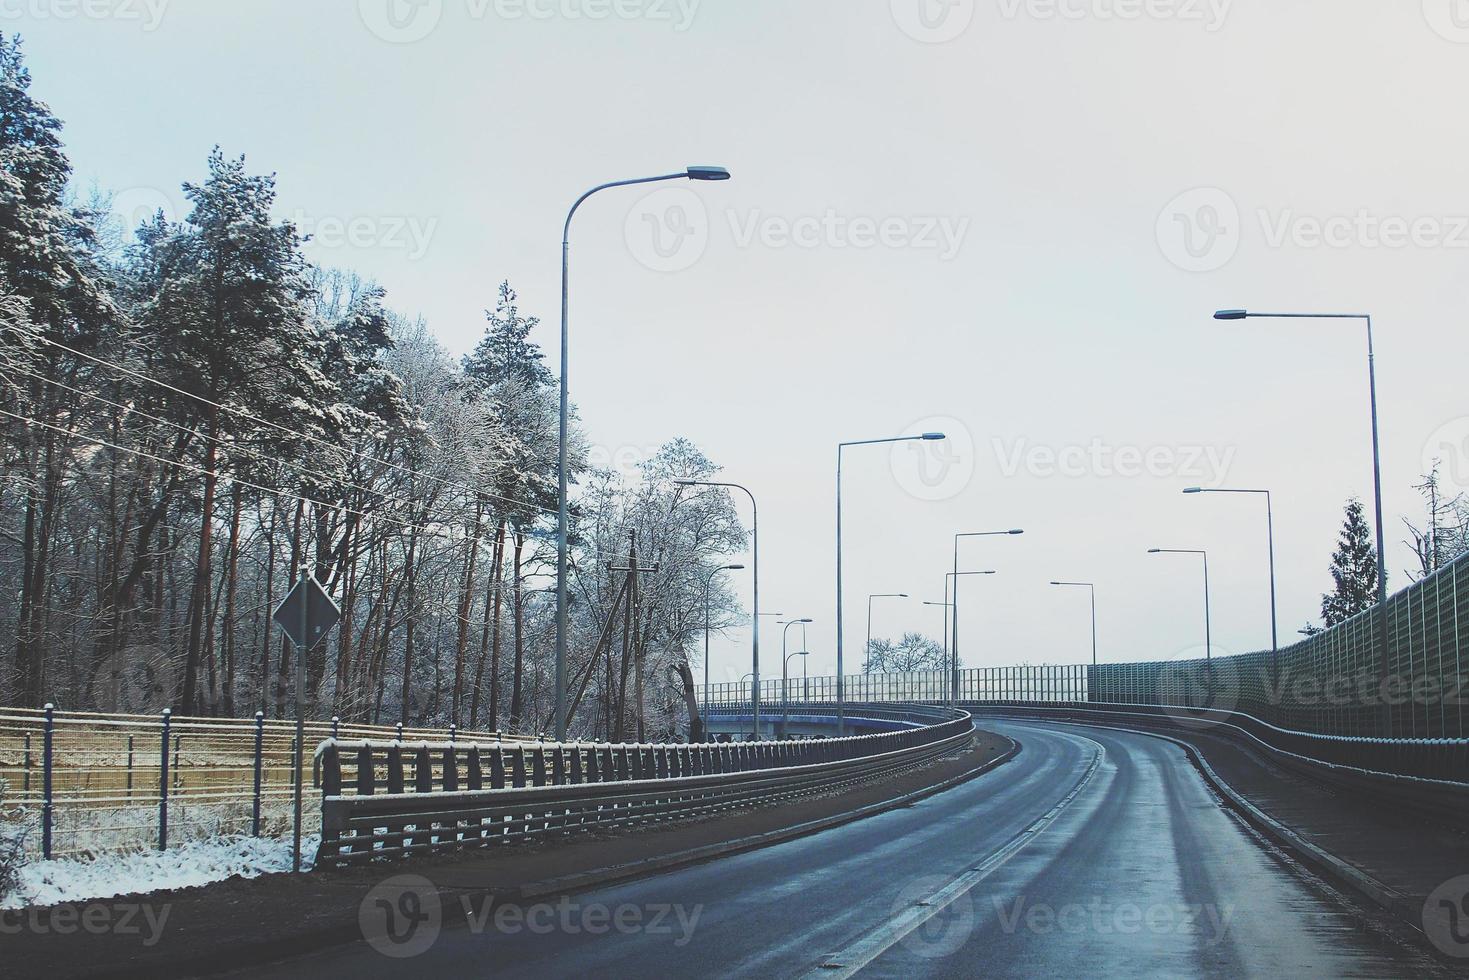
1366	318
1208	640
562	508
953	662
785	660
708	585
867	655
841	447
1270	539
755	574
1092	586
954	650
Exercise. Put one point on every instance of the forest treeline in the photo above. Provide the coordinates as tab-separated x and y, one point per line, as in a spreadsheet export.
191	414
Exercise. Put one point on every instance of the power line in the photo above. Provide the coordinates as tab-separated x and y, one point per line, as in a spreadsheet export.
241	413
274	491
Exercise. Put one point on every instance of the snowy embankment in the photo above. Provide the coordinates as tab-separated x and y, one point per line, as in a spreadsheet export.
43	883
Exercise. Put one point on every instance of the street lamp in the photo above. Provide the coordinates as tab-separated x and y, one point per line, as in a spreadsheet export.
785	661
755	573
954	607
1208	641
867	656
1092	586
562	508
841	679
1270	538
954	649
708	585
1376	475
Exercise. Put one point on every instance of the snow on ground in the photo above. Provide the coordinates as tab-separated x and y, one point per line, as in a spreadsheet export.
189	864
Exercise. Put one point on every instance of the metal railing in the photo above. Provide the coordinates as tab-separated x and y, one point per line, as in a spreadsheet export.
383	799
80	783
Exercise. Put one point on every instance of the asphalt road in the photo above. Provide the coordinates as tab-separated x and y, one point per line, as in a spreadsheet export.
1093	853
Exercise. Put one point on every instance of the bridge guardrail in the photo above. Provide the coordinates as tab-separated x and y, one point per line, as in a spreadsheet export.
383	799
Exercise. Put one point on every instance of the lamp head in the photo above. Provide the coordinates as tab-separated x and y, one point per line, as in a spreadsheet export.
733	568
708	173
1232	315
1016	531
1194	490
1155	551
933	437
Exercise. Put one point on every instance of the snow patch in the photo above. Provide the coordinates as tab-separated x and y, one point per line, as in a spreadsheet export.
44	883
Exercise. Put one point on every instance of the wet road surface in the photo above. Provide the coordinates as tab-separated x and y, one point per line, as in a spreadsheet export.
1092	853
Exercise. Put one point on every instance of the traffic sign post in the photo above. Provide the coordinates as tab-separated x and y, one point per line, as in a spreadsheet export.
306	615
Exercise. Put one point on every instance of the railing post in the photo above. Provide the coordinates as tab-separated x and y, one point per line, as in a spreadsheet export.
593	776
47	758
130	767
576	771
517	766
453	729
331	771
336	727
259	765
366	770
395	769
538	766
451	767
476	770
558	767
423	771
25	786
497	768
163	782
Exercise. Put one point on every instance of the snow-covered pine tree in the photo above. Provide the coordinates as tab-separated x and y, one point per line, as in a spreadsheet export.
1353	568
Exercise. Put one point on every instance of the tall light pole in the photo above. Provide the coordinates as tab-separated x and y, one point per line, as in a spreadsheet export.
1270	540
1366	318
1092	586
562	508
1208	638
841	678
785	660
954	607
954	647
708	585
867	655
755	574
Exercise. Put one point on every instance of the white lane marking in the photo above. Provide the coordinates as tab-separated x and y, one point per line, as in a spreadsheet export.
853	958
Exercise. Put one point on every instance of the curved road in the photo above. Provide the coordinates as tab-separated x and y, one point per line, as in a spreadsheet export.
1093	852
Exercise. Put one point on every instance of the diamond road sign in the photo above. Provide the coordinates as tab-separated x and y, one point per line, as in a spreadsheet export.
321	613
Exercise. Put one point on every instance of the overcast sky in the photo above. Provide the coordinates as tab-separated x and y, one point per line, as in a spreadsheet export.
1006	219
